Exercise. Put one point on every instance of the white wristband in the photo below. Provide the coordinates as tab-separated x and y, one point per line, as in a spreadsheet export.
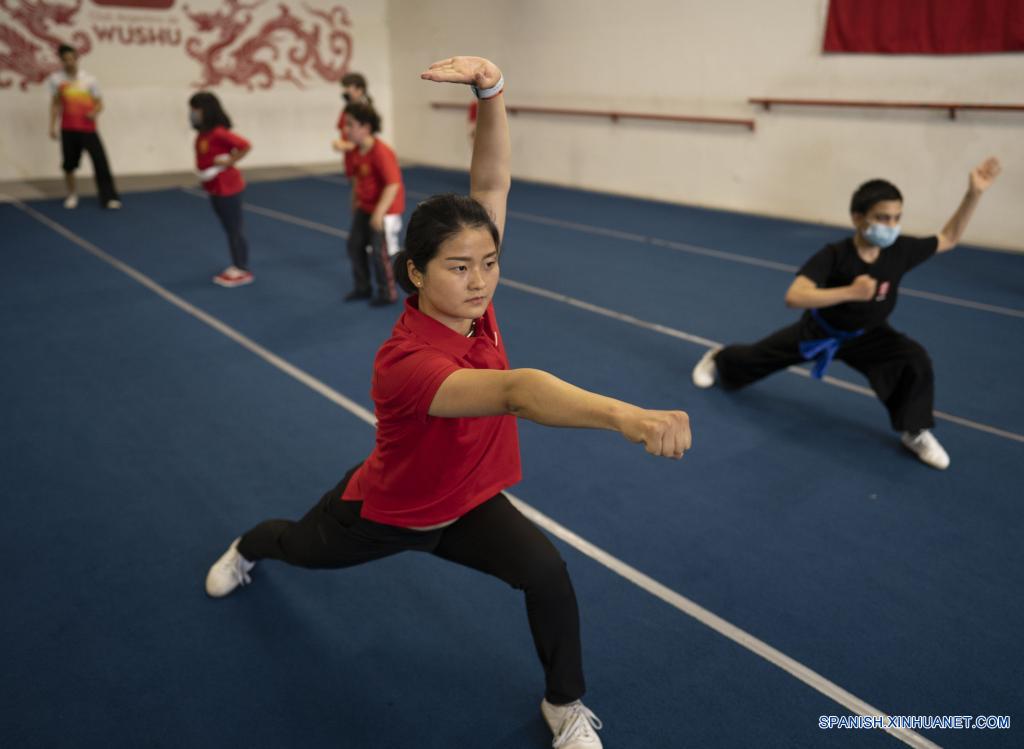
489	93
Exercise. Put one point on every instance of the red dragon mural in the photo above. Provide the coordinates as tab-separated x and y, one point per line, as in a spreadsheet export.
230	47
34	57
257	61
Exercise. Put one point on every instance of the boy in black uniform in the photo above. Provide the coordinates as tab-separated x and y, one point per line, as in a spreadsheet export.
849	289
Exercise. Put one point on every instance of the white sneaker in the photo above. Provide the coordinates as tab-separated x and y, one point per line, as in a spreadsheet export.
232	276
228	572
705	372
71	201
573	725
113	205
928	450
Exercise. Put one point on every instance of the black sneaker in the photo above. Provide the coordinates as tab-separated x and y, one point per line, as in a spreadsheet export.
355	296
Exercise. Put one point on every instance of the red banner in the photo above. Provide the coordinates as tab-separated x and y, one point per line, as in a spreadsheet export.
925	27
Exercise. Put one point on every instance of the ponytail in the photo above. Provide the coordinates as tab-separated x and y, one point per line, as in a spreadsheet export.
400	268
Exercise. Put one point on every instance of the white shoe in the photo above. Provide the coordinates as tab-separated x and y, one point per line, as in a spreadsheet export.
113	205
928	450
228	572
232	276
71	201
705	372
573	725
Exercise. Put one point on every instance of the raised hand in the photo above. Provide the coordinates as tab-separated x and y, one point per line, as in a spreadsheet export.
983	175
663	433
473	71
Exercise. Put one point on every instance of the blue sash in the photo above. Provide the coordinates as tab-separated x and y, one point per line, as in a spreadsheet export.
823	350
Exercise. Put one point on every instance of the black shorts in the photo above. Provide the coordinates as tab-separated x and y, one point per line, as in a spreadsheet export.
73	142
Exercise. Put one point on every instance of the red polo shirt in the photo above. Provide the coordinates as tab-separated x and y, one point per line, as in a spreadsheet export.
427	470
375	170
209	146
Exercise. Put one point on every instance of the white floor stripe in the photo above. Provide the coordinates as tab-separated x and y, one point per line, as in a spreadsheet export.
748	260
332	180
622	317
746	640
637	322
268	356
829	379
1008	311
286	217
813	679
707	342
722	255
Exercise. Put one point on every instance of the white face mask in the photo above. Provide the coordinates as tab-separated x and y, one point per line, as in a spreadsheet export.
881	235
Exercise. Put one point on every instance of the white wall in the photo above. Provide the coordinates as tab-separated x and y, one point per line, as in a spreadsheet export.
672	56
146	88
708	57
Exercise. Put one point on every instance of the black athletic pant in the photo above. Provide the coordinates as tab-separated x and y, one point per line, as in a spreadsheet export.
72	143
229	210
493	538
360	235
898	368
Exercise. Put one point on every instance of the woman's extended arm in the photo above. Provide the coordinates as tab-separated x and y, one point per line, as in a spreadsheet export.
543	398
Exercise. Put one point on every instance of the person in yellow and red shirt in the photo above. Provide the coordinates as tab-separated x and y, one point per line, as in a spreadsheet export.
75	104
378	199
217	151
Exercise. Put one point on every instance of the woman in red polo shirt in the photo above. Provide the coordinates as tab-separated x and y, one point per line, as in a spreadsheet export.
217	151
446	445
378	200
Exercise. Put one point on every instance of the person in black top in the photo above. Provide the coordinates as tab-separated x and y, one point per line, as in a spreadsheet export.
848	290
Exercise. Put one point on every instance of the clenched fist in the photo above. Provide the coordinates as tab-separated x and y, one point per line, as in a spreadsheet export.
863	288
663	433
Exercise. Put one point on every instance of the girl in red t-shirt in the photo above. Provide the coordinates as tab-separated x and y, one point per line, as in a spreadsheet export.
378	200
446	404
217	151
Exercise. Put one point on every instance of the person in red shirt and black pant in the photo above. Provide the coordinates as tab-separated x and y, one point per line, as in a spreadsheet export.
217	151
446	403
378	199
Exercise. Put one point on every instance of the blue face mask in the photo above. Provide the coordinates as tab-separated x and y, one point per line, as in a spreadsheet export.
881	235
